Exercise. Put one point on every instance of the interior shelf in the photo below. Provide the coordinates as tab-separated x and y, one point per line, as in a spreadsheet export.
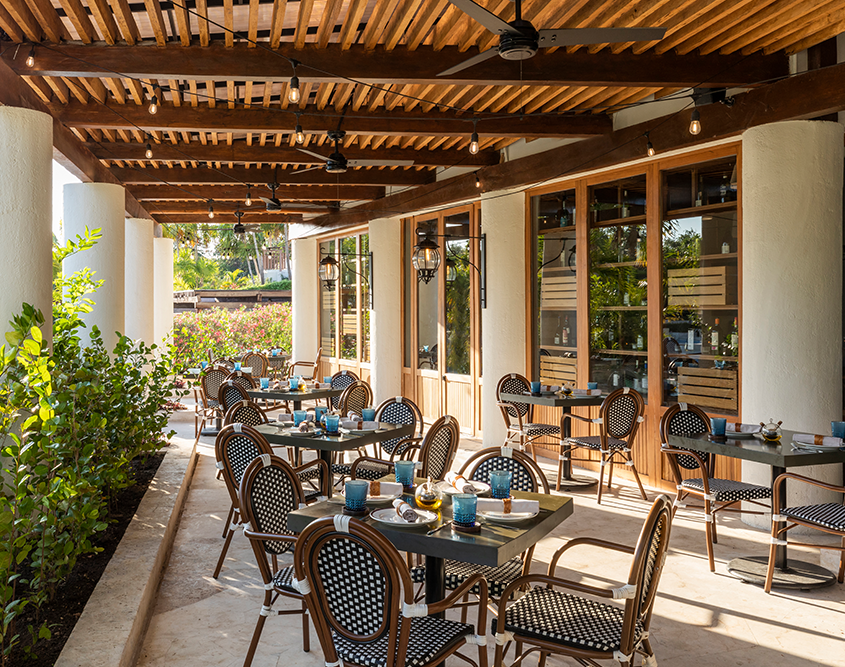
708	208
630	220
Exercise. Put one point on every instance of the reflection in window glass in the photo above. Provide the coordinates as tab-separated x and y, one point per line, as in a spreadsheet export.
348	298
427	308
328	320
365	296
409	280
456	263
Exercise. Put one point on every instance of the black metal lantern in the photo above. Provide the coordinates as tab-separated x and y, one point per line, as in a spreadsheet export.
451	270
329	271
426	257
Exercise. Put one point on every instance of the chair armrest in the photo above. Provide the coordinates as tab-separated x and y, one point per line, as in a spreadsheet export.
589	420
592	541
455	597
505	405
325	473
263	537
368	459
292	366
781	480
416	445
666	449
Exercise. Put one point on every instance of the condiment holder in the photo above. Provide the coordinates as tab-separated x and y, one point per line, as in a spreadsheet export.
771	431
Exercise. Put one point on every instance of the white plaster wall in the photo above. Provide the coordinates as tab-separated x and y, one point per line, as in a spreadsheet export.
305	297
792	287
26	181
162	289
503	321
100	206
386	315
140	288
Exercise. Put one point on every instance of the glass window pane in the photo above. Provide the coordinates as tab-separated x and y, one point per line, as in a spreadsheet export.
409	279
457	271
427	310
328	321
365	297
348	298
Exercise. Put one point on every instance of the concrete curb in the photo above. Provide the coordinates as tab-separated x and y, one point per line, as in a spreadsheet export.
110	632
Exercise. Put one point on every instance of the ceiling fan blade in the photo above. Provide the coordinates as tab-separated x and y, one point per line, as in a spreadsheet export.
486	18
480	58
296	173
379	163
578	36
312	154
268	200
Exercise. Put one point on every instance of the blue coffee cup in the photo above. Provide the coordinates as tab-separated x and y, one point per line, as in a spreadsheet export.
327	379
204	364
837	429
535	387
319	411
265	383
500	483
237	365
717	425
332	423
592	385
463	508
299	416
404	471
356	494
368	414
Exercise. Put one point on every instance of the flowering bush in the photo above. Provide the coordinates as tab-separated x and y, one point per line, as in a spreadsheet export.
217	332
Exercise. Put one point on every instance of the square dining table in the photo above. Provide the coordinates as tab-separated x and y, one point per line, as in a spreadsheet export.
779	455
295	397
566	480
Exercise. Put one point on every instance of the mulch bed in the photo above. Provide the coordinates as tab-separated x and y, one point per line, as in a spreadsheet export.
65	609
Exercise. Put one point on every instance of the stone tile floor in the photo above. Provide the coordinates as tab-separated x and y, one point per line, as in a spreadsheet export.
700	619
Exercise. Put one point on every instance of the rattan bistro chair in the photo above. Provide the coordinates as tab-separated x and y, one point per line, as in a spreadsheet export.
230	393
357	396
717	495
360	598
619	418
551	621
257	362
827	517
210	382
246	412
519	417
307	369
268	492
340	380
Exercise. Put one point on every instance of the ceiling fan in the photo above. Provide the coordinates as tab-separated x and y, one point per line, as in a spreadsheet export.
274	204
336	163
519	40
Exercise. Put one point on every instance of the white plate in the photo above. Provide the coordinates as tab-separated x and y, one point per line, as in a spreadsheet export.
302	434
389	516
354	431
507	518
808	446
480	488
374	499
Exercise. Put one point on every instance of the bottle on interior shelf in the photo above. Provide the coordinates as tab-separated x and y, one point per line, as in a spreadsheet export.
626	299
645	376
626	207
557	332
565	332
723	189
735	339
690	339
714	338
698	199
726	248
615	378
640	344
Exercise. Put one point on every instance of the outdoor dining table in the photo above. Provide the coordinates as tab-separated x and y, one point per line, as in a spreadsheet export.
780	455
327	444
566	403
295	397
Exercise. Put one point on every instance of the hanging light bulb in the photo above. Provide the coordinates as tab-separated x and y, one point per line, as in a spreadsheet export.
210	209
649	147
248	200
473	143
30	59
300	135
148	153
293	91
153	108
695	122
477	181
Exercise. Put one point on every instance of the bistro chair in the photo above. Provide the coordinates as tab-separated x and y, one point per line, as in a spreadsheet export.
268	492
210	382
526	475
717	495
257	362
224	362
357	396
361	600
519	417
307	369
246	412
620	415
276	366
203	412
340	380
231	392
827	517
551	621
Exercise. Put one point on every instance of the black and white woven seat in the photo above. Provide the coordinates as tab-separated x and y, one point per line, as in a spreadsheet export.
341	380
522	431
269	491
594	442
826	517
566	624
356	582
370	471
457	572
715	494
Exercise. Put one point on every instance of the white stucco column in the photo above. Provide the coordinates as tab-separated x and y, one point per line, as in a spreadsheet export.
386	315
305	297
503	321
100	206
792	288
26	181
162	289
140	289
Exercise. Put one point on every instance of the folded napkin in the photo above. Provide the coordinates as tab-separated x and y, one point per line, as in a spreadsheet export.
195	371
357	424
284	417
384	488
586	392
819	440
550	387
460	482
507	505
405	511
736	427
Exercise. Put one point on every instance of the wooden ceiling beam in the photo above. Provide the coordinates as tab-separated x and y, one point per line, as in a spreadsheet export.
237	192
400	66
176	208
250	217
261	119
232	175
240	153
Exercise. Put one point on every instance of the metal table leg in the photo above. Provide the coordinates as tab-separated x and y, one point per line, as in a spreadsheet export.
567	481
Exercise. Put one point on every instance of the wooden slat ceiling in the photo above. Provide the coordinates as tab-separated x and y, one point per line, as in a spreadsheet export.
225	101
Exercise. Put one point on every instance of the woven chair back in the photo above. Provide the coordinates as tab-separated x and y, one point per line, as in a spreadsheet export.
235	448
439	447
257	362
231	392
341	380
526	475
246	412
621	413
210	382
269	491
685	420
513	383
399	410
355	398
224	362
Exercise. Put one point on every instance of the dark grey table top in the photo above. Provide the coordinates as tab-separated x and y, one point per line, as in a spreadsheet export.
288	395
335	443
494	545
780	453
553	400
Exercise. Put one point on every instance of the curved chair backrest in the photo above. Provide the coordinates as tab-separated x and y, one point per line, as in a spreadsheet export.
649	556
357	583
514	383
355	398
235	448
231	392
245	412
439	447
268	491
257	362
684	419
341	380
621	413
224	362
211	379
276	366
525	474
246	380
399	410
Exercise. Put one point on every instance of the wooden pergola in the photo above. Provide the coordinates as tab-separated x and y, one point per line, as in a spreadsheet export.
220	73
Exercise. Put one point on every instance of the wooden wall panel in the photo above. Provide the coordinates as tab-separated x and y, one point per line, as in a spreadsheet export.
459	402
